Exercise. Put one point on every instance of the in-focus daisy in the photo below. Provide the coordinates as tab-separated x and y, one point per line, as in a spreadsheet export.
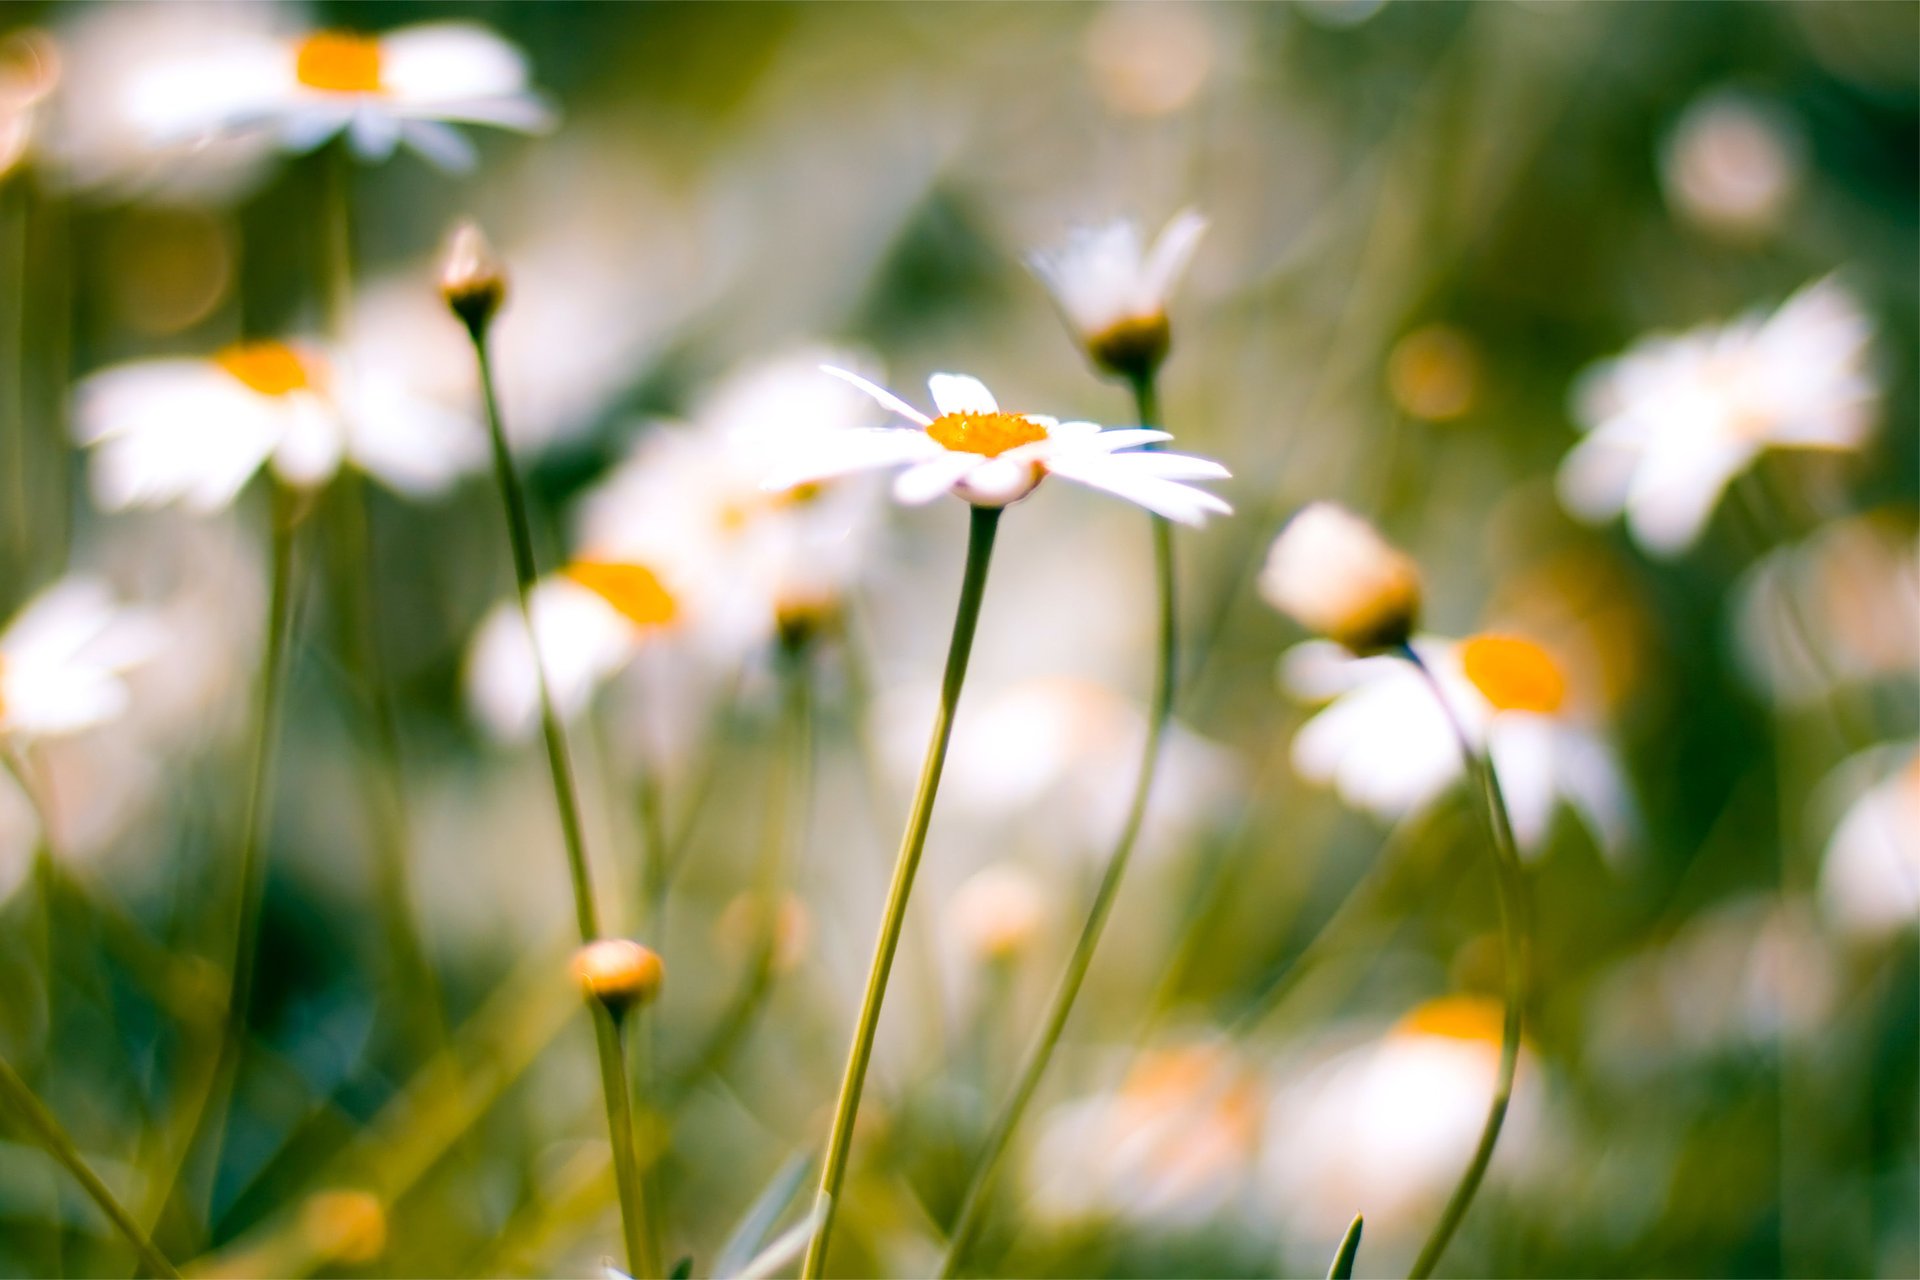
405	87
1385	745
1672	421
1870	876
194	431
1113	289
64	658
990	458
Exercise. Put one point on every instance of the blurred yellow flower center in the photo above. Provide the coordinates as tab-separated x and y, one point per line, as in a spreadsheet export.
339	62
988	434
1455	1018
271	368
1514	674
738	514
632	589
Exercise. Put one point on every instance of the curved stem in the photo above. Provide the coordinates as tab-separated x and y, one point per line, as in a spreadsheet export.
40	1122
1515	929
613	1073
966	617
1040	1055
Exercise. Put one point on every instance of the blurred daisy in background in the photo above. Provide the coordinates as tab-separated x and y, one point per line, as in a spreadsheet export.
1870	874
1112	289
998	911
64	659
1387	1126
1384	744
1672	421
1174	1145
990	458
29	73
405	87
1733	164
194	431
1333	573
1839	609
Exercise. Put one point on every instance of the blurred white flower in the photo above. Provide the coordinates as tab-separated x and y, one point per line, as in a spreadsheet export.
997	911
1113	290
989	458
1174	1145
29	73
64	657
1385	745
405	87
1870	876
194	431
1840	608
783	557
1388	1126
1330	572
1733	163
1672	421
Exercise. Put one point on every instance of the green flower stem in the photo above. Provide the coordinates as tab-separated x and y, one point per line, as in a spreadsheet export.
973	1207
966	617
1515	930
613	1071
32	1114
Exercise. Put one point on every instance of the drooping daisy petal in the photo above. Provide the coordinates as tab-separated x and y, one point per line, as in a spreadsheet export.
925	481
885	397
1172	251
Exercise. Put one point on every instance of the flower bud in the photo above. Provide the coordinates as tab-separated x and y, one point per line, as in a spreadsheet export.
998	912
618	972
471	278
1331	572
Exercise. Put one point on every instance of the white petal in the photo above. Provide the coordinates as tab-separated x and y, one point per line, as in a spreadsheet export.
885	397
958	393
1177	502
373	133
446	62
442	146
1126	438
927	480
1170	255
840	453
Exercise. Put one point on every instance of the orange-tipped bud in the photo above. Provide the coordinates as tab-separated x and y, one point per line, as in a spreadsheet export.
471	278
618	972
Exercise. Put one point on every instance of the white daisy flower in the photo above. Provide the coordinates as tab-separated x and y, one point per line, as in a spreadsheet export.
1733	164
64	658
1113	290
1870	877
1671	422
990	458
405	87
998	911
1385	745
194	431
1330	572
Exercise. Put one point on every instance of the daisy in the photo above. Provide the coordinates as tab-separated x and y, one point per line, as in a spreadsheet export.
1384	745
1870	876
64	659
29	73
1331	573
408	86
1113	290
1675	419
975	451
194	431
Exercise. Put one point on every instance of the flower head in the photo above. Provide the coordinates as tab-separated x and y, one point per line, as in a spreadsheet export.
471	278
1113	290
29	73
618	972
1331	572
1671	422
991	458
408	86
195	430
64	657
1870	873
999	911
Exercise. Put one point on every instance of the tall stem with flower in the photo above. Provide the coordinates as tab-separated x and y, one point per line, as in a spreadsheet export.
474	288
985	523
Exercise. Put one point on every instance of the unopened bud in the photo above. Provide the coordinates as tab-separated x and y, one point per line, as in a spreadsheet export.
618	972
1331	572
1132	348
471	278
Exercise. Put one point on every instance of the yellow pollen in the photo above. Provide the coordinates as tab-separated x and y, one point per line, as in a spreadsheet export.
987	434
1456	1018
271	368
632	589
339	62
1514	674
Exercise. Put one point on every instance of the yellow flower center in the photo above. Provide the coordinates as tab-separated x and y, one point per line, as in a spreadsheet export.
1456	1018
634	590
339	62
270	368
987	434
1514	674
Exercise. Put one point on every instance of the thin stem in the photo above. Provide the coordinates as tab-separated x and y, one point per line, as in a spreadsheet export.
1040	1055
33	1114
985	524
643	1246
1515	930
613	1071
